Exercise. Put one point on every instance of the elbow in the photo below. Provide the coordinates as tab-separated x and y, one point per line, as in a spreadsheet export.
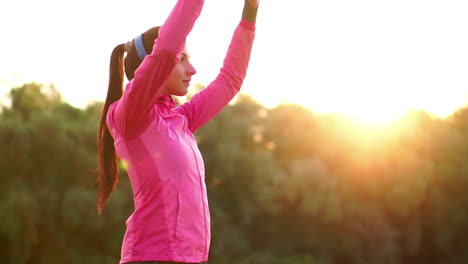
232	81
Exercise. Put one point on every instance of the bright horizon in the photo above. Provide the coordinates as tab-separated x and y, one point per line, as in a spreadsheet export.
372	60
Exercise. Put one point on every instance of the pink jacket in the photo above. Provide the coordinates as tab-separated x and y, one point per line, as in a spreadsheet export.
171	221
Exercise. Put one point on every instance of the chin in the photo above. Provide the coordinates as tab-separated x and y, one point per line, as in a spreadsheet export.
181	93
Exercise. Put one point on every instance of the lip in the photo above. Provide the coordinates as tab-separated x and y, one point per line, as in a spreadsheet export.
186	81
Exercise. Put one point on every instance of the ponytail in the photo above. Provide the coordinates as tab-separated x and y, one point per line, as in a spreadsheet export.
108	171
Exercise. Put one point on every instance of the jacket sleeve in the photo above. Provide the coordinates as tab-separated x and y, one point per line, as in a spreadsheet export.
209	102
132	113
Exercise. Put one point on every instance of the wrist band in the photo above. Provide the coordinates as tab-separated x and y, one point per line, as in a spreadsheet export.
140	48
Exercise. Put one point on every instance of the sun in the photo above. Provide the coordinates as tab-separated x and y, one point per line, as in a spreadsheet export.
367	104
364	112
373	114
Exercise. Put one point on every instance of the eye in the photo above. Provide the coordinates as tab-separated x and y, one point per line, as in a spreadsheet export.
184	58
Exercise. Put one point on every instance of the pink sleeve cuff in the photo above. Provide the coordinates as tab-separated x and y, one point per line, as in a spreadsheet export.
248	24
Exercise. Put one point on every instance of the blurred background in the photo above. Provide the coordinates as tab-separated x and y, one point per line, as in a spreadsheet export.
348	144
286	185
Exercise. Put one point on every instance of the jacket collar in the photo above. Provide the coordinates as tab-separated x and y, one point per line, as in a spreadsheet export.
167	101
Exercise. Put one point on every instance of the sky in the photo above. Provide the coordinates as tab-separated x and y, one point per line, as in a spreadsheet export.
369	59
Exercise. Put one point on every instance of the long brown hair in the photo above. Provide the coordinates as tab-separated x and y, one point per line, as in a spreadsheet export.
108	171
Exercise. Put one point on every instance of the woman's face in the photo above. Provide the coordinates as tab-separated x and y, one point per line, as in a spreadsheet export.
180	78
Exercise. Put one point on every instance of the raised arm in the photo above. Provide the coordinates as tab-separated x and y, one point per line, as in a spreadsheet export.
131	114
209	102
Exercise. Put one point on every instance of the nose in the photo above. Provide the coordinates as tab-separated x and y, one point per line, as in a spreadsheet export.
191	70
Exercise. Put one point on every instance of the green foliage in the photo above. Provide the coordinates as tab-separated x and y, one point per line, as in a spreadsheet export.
286	186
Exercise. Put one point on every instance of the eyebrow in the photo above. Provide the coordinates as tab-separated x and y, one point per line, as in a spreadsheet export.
185	55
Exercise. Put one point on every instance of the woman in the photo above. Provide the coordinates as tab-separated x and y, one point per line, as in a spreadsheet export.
144	128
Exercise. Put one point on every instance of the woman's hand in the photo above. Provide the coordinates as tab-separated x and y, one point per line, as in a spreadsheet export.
250	10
